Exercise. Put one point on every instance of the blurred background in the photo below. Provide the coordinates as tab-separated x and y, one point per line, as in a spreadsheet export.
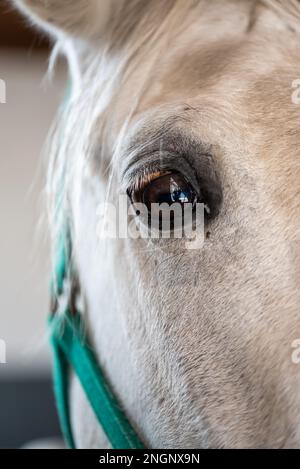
27	409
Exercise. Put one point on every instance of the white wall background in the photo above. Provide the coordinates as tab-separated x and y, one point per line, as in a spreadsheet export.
24	263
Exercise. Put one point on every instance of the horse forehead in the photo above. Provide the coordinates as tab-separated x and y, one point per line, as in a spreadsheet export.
217	64
209	50
194	69
217	43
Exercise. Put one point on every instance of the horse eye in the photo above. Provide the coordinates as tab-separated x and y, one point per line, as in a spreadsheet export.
168	188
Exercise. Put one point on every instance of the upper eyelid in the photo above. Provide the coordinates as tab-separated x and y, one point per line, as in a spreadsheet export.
132	183
146	166
175	151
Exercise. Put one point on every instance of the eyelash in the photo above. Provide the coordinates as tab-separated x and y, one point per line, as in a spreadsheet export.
161	165
146	178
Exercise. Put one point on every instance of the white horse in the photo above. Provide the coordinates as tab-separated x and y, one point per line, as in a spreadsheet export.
196	344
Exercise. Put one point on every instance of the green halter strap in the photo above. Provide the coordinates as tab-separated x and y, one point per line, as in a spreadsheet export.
71	350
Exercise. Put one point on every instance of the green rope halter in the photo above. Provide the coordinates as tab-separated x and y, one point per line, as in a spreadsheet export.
72	350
